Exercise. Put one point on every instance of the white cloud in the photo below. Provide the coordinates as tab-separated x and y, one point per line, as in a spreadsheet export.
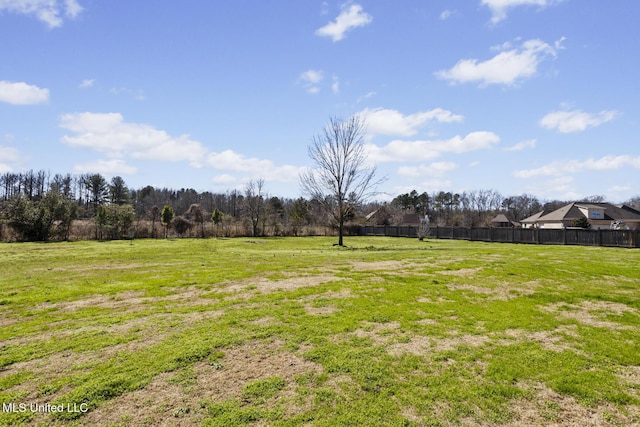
575	121
507	67
224	179
348	19
416	151
19	93
499	8
366	96
72	8
437	169
391	122
138	95
531	143
335	86
108	133
253	167
311	79
560	168
86	83
446	14
106	167
9	156
47	11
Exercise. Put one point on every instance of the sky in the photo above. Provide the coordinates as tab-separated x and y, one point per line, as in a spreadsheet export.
518	96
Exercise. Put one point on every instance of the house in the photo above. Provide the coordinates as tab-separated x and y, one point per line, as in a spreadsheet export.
501	220
410	219
600	215
530	222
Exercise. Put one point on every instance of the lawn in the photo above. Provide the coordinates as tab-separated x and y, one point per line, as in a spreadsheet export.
295	331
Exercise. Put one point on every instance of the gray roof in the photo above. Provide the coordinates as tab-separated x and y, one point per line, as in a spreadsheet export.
533	218
501	218
572	212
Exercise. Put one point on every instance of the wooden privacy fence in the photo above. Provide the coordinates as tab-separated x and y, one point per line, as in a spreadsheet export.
542	236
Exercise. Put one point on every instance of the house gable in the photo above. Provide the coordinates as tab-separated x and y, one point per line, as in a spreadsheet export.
601	215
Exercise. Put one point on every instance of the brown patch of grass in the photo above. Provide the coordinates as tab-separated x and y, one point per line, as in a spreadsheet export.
265	285
320	311
550	340
548	408
462	272
379	333
591	312
421	345
380	265
165	402
131	301
502	292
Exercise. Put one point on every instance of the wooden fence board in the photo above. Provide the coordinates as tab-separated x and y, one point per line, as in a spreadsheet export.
565	236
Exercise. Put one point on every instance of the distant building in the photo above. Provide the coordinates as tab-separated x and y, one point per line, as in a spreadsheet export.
501	220
600	216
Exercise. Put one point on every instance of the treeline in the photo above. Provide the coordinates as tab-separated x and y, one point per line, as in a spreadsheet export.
39	206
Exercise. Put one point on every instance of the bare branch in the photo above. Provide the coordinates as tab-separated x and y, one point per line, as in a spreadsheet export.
340	176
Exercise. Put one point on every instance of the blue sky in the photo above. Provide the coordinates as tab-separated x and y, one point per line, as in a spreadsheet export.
518	96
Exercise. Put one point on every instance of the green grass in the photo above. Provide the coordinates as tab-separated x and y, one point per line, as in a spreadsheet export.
295	331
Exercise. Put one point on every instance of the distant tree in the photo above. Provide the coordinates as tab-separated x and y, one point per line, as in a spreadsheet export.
166	217
596	198
97	189
102	220
196	215
119	220
633	202
276	213
299	214
40	220
155	213
340	173
254	203
118	192
217	216
181	225
414	202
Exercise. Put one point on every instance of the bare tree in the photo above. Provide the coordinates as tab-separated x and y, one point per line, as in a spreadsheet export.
341	177
254	203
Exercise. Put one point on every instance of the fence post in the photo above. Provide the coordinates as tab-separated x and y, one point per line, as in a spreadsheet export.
564	236
599	236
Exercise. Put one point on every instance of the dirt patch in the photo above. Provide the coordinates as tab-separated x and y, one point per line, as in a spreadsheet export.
379	333
320	311
164	402
49	368
505	292
380	265
463	272
421	345
591	312
550	340
341	294
264	285
131	301
549	408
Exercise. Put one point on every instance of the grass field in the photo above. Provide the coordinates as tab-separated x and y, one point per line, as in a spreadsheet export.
295	331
